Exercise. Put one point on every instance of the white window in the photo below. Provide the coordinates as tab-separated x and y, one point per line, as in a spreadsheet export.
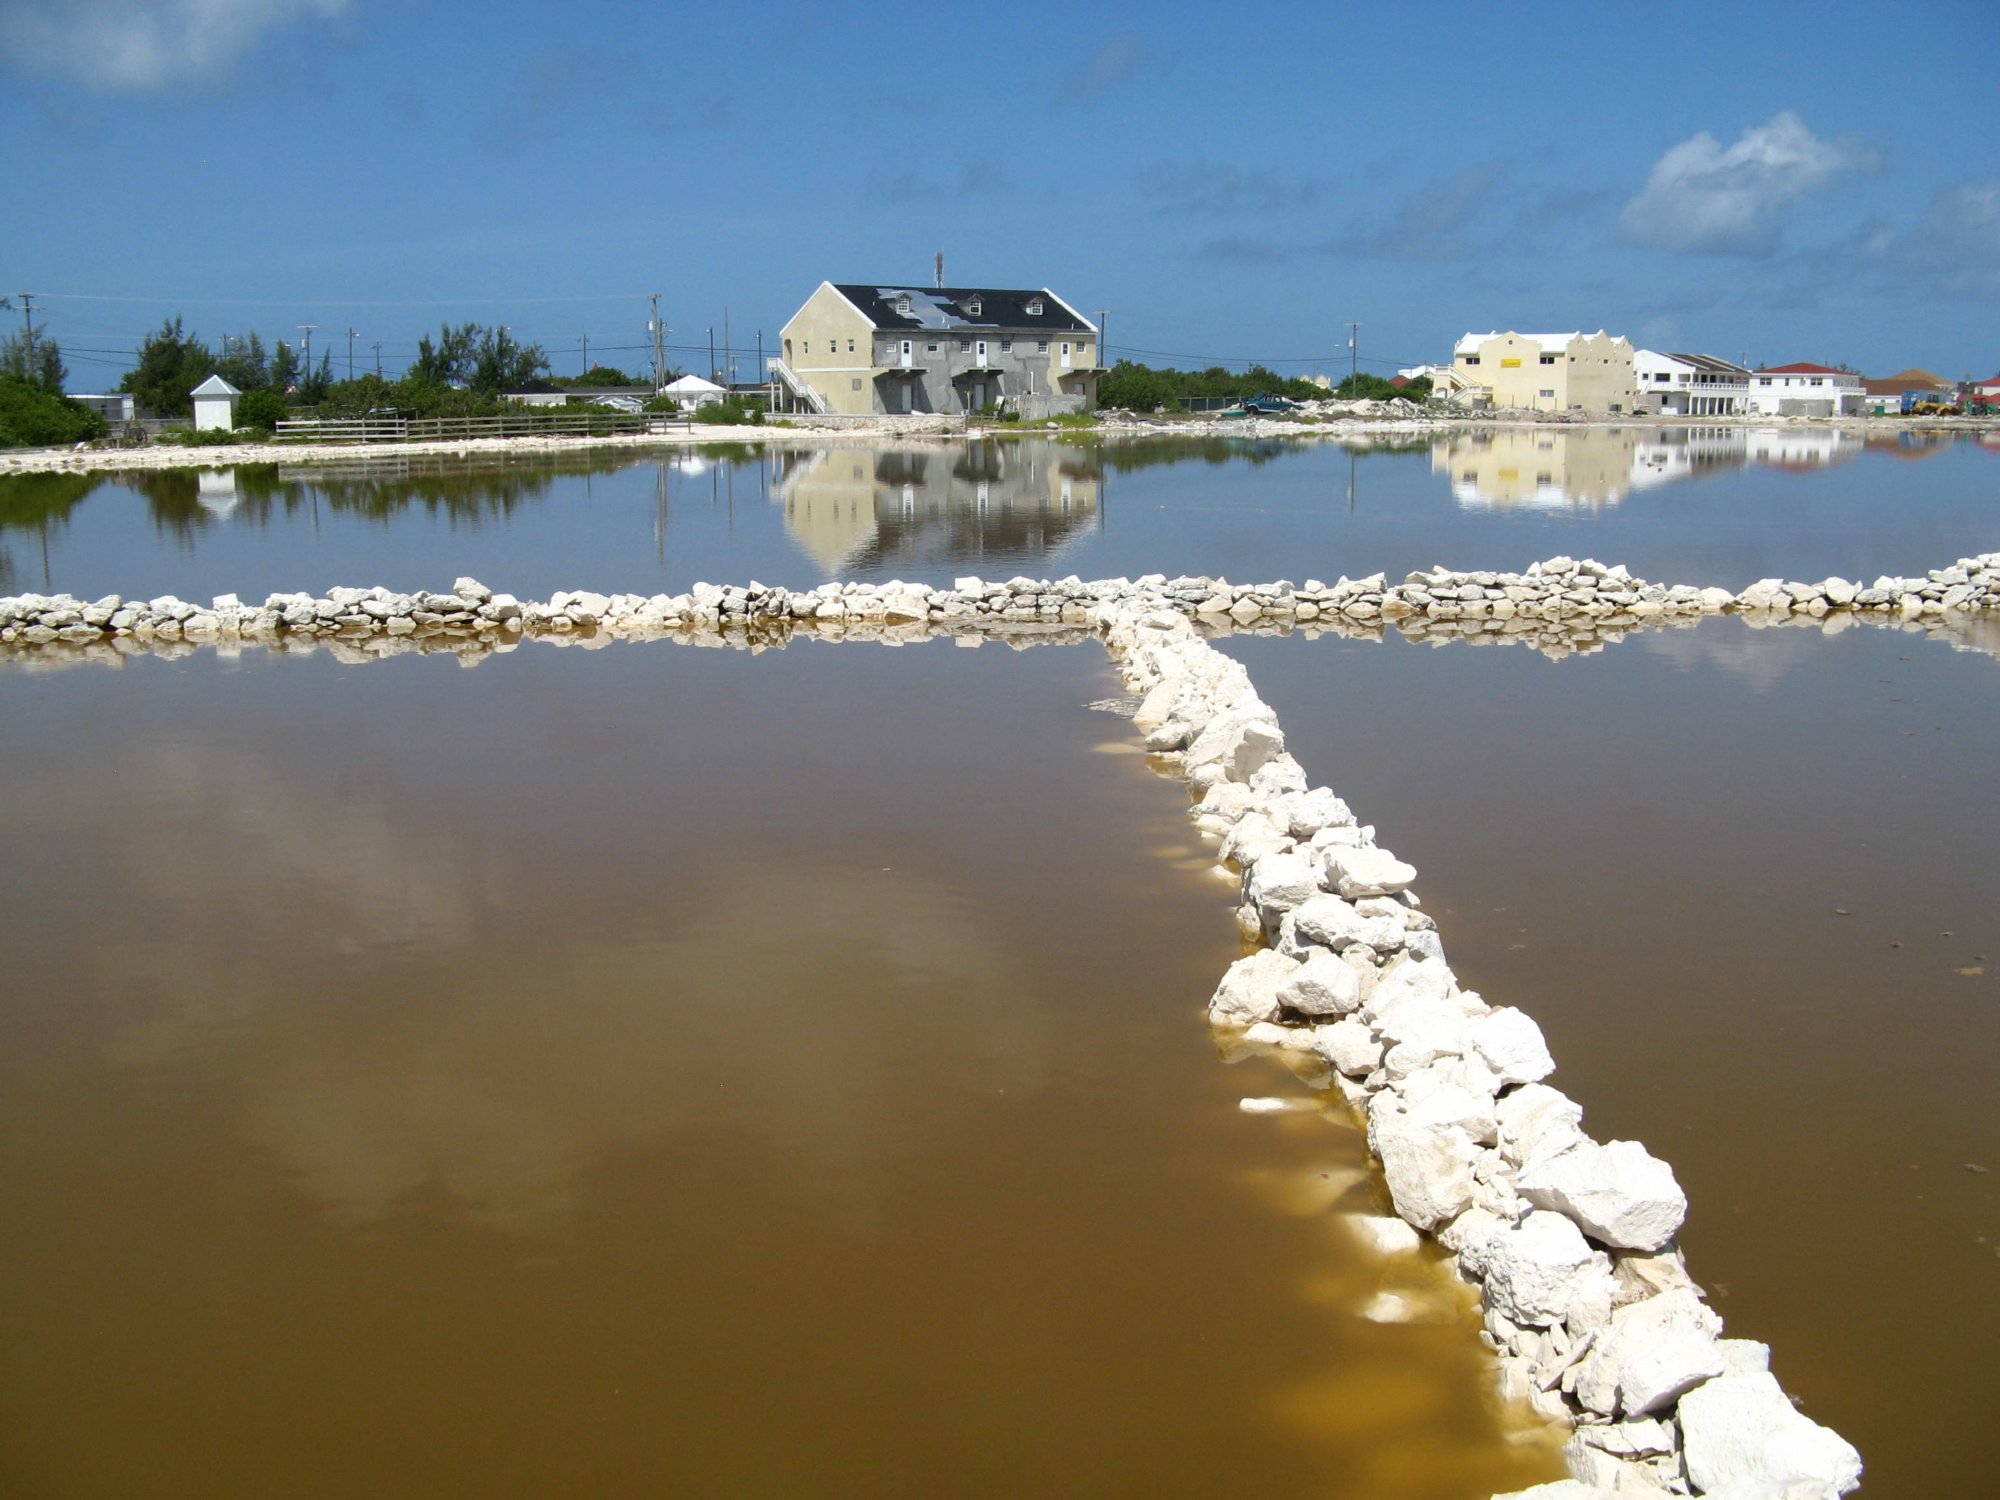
1041	346
903	304
1472	359
963	345
1548	395
972	307
1006	346
850	346
1034	307
930	348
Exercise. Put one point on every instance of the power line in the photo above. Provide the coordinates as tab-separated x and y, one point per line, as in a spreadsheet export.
334	302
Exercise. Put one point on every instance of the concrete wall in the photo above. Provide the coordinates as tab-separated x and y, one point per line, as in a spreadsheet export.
828	344
1593	373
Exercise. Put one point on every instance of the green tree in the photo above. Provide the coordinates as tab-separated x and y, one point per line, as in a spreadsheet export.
314	384
501	364
34	357
172	362
284	368
244	363
449	361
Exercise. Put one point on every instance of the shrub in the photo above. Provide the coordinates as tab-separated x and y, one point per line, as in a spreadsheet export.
728	412
31	417
264	408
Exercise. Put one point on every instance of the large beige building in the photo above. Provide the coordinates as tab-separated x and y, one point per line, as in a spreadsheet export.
1587	372
861	349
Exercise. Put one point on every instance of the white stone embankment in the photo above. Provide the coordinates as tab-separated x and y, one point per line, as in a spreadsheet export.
1559	598
1570	1241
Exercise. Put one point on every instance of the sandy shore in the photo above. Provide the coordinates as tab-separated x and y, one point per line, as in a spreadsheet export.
897	431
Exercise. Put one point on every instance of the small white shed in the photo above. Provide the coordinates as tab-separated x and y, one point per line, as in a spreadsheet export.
692	390
215	405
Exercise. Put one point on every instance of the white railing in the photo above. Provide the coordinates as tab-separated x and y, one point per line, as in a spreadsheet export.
799	388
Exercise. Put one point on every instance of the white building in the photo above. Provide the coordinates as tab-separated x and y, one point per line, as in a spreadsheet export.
691	391
1690	385
215	405
1806	390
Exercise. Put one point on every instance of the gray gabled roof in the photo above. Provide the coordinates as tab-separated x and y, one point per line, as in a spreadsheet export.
963	307
1710	363
215	385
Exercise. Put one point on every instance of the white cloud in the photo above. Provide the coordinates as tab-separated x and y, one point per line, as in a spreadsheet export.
1712	199
119	44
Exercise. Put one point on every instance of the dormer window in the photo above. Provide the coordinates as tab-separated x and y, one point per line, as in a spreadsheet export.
903	305
1034	307
972	306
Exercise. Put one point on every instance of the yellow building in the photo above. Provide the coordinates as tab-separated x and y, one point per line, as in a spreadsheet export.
1587	372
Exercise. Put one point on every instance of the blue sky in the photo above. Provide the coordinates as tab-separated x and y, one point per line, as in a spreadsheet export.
1231	182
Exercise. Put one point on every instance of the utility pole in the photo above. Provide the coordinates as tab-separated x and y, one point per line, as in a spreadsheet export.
350	351
728	354
1353	361
659	355
711	354
308	328
763	375
586	354
28	328
1103	348
378	359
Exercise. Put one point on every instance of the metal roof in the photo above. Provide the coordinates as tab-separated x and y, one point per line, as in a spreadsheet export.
963	307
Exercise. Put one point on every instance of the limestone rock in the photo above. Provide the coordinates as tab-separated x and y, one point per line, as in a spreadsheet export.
1321	986
1367	871
1540	1269
1511	1044
1740	1434
1334	922
1651	1353
1428	1168
1249	990
1619	1193
1350	1046
1280	882
1538	1121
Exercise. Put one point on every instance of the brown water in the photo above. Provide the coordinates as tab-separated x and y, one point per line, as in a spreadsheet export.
660	1071
1747	882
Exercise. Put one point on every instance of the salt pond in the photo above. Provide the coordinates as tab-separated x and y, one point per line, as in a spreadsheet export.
1683	505
354	916
649	1069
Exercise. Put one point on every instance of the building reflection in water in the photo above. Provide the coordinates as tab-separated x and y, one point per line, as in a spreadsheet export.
864	509
1545	468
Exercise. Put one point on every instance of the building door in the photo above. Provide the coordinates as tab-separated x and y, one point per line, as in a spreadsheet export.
906	391
908	350
979	353
1065	356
